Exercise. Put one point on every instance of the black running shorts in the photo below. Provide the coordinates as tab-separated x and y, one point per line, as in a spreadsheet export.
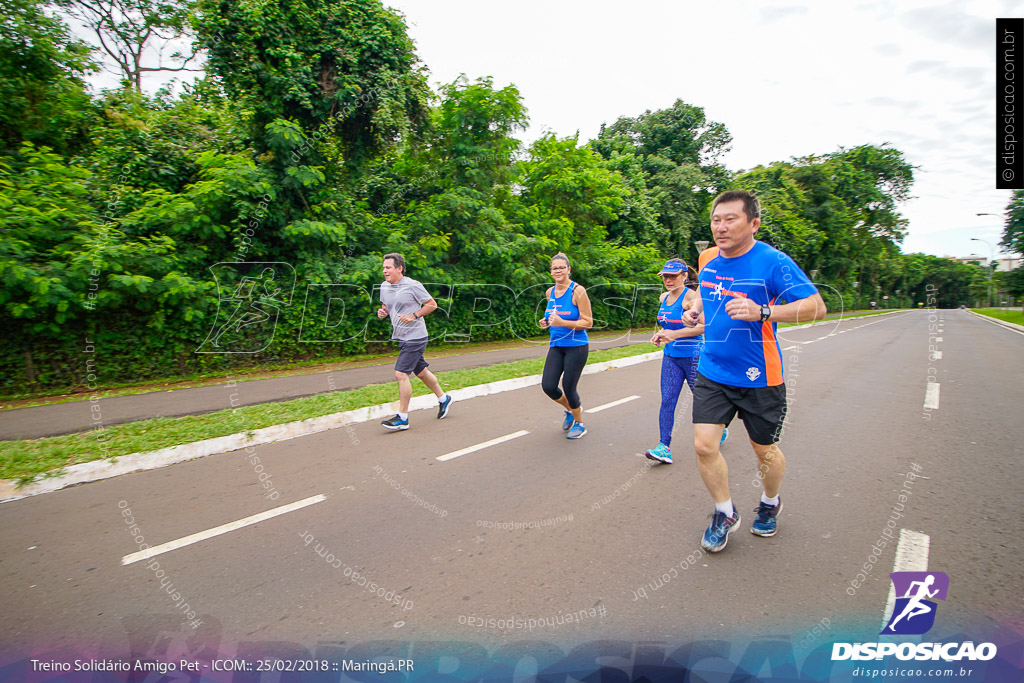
762	409
410	356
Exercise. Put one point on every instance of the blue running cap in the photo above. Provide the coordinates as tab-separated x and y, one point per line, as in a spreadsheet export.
672	267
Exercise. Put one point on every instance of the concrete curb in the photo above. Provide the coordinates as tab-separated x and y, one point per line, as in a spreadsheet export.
997	321
136	462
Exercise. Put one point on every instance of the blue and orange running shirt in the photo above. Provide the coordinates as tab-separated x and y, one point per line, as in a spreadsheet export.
739	353
567	310
671	318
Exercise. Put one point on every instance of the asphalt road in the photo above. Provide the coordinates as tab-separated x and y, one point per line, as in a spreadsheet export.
540	527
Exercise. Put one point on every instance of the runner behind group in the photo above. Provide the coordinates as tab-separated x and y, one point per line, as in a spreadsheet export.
567	315
406	302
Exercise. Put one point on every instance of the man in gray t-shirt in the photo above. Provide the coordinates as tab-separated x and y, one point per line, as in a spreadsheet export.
402	298
406	302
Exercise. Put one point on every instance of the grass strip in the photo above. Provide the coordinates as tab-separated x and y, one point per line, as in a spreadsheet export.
1007	316
23	460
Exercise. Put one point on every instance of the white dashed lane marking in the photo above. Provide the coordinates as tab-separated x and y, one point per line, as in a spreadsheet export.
480	446
881	318
222	529
612	404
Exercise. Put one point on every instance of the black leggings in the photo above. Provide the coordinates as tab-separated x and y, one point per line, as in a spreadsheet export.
566	362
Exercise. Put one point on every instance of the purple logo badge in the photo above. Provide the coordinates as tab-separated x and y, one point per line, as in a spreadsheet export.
914	612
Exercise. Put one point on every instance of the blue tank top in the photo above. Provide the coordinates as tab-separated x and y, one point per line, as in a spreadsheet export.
563	305
671	318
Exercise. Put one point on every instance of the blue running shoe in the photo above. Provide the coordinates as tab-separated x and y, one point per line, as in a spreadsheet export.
717	533
442	408
661	453
577	430
395	423
767	522
725	435
567	422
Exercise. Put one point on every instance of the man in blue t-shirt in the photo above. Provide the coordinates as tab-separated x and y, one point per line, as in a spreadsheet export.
745	290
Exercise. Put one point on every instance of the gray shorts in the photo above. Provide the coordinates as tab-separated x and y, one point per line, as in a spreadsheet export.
410	356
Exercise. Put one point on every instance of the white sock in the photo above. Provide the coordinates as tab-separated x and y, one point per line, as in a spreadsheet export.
769	501
443	398
725	507
404	416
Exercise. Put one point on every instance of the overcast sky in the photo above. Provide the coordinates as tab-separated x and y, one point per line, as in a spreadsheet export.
788	79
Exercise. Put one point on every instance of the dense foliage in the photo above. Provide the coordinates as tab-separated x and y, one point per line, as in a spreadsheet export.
243	219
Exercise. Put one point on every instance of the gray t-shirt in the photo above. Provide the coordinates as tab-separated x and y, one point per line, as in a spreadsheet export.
408	296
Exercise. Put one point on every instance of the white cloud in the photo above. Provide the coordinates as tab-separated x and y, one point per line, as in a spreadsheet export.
773	13
888	49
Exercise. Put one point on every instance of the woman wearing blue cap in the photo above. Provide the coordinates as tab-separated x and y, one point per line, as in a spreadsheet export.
682	352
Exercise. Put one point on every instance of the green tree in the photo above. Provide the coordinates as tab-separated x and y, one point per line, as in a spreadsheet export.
339	69
444	200
852	199
1012	283
45	217
155	140
70	269
43	98
637	221
1013	230
127	29
785	223
679	151
572	189
950	283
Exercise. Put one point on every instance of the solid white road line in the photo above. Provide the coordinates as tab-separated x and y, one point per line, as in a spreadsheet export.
612	404
218	530
875	320
480	446
931	396
839	320
911	556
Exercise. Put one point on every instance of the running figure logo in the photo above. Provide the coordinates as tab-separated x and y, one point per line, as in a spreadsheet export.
914	612
251	296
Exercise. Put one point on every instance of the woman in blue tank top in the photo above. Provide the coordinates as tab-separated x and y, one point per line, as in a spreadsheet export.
567	315
682	352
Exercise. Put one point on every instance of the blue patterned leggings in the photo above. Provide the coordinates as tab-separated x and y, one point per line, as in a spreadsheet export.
674	371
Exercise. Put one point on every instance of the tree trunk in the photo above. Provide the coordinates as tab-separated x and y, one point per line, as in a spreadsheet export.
30	368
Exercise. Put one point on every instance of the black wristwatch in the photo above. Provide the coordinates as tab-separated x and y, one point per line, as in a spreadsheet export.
766	312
